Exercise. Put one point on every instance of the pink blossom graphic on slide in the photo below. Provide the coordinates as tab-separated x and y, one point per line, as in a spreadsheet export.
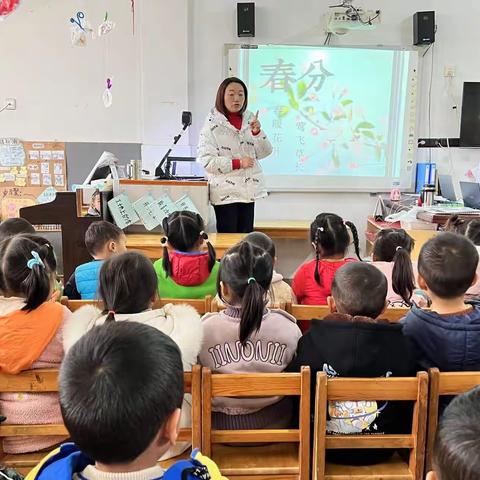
314	131
313	96
353	166
303	159
325	145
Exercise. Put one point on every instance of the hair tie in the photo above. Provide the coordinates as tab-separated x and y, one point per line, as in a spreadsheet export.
204	235
164	240
398	248
111	312
320	229
36	260
251	280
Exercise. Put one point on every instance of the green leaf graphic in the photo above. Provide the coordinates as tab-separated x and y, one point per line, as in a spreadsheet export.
283	111
346	102
326	116
301	89
365	125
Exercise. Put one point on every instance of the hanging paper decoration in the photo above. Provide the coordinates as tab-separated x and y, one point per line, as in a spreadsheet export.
106	26
7	6
79	29
133	15
107	94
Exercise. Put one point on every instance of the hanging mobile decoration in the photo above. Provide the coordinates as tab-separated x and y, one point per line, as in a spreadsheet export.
107	94
133	15
7	7
79	29
106	26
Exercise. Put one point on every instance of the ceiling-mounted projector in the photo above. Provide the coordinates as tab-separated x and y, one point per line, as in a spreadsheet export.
345	16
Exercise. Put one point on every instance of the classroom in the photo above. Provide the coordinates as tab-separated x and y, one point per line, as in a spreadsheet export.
239	240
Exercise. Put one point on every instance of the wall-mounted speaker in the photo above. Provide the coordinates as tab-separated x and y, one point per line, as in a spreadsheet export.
246	19
424	28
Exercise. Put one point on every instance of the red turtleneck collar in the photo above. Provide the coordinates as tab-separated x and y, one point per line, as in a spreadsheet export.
235	119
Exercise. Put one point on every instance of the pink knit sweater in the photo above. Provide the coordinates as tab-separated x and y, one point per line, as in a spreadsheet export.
33	408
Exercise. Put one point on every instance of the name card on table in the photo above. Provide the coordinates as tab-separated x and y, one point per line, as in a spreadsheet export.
149	212
186	203
166	205
122	211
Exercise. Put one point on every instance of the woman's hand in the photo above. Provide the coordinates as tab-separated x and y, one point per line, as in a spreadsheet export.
255	124
247	162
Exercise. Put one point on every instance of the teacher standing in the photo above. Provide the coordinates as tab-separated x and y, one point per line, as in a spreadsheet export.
230	145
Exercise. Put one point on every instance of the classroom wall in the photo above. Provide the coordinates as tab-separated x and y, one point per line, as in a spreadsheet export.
175	61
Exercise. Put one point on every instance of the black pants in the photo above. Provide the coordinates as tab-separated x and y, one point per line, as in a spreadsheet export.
235	217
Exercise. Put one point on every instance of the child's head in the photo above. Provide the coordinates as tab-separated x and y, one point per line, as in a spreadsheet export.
455	224
185	232
261	240
127	284
359	289
243	280
104	239
396	245
121	389
447	266
456	454
15	226
473	231
330	238
28	267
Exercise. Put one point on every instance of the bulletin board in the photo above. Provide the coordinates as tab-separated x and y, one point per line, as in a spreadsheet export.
30	173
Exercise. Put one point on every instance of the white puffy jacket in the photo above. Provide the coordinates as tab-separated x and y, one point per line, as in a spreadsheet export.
220	142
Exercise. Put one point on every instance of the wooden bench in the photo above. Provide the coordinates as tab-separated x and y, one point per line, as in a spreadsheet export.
384	389
201	305
287	454
43	381
444	384
309	312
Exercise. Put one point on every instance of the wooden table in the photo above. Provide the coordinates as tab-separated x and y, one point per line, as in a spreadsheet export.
420	236
291	229
149	243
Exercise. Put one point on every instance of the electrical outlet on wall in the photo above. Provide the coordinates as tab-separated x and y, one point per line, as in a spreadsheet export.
449	71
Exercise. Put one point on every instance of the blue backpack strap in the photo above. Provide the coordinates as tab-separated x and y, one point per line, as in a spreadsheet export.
187	470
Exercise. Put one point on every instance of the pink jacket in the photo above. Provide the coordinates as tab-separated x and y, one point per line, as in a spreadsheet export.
269	350
33	408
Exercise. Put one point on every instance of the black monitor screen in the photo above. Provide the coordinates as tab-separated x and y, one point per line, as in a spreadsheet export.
470	126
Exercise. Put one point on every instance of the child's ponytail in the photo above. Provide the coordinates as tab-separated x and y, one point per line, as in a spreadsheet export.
183	230
402	275
27	269
356	241
248	271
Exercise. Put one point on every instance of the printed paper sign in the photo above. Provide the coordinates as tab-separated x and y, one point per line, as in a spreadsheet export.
35	178
46	155
122	211
58	155
45	167
11	152
47	179
47	196
59	181
166	205
149	212
186	203
34	154
58	169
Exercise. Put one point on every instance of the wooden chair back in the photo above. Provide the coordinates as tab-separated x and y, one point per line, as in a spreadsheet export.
444	384
260	461
370	389
309	312
43	381
201	305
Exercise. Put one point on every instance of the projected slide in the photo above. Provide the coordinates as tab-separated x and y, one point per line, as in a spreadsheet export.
331	112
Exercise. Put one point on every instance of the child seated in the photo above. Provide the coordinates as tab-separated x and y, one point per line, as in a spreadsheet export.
248	338
128	288
280	292
30	334
447	336
391	255
353	341
15	226
121	388
457	442
186	270
102	239
330	240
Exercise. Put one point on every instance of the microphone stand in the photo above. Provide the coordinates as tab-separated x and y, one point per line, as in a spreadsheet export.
160	173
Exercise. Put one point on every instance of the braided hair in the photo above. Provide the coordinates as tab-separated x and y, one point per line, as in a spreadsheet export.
183	230
329	235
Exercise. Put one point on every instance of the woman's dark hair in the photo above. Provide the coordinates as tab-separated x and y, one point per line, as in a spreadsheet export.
220	100
455	224
395	246
32	283
473	231
329	234
183	231
127	284
248	271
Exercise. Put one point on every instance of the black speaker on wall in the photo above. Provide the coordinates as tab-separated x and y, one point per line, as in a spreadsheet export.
246	19
424	28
